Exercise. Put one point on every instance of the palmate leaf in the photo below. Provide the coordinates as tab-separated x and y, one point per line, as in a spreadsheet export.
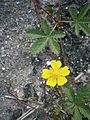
85	110
81	23
35	33
39	45
83	11
85	20
76	101
46	27
69	106
77	115
84	28
70	93
54	46
73	12
43	37
84	92
56	34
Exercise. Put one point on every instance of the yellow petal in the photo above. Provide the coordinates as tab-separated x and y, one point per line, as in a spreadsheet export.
56	64
64	71
61	81
51	81
46	73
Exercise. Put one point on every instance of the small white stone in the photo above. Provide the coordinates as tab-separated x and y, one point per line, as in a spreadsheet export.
38	25
38	78
59	58
81	60
7	36
17	2
48	63
20	93
39	93
37	60
17	46
28	107
86	37
43	82
3	68
66	8
2	48
88	71
6	42
29	11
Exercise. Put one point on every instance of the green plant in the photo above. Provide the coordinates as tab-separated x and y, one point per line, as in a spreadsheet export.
76	100
75	104
45	35
80	20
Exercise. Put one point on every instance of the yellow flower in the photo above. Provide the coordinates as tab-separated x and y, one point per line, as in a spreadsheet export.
56	74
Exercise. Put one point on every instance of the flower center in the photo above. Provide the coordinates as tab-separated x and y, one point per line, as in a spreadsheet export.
56	73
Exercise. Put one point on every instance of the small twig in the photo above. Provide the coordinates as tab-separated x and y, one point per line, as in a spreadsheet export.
49	14
29	112
63	54
25	102
53	29
59	7
79	76
10	97
57	21
66	21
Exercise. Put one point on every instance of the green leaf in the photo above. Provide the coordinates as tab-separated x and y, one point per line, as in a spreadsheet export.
83	11
69	106
54	46
84	92
70	93
56	35
73	12
84	20
45	27
35	33
85	110
77	28
39	45
85	28
77	115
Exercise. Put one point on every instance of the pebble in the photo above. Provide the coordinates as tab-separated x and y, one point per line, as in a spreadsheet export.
48	63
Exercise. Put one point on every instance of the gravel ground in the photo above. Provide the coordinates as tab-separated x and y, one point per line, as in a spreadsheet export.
19	68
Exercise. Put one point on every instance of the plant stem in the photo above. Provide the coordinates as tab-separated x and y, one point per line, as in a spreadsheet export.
59	10
57	21
37	8
53	28
66	21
